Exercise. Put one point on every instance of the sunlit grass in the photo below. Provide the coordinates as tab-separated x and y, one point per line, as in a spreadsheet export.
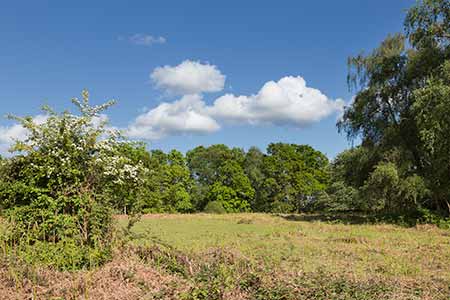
248	256
361	250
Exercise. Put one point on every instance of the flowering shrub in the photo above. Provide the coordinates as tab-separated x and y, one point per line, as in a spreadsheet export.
60	187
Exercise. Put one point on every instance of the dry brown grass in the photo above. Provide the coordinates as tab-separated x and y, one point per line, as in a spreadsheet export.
125	277
148	273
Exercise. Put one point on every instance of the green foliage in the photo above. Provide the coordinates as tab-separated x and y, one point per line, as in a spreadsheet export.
64	180
428	217
287	178
386	190
432	110
218	170
215	207
233	188
281	207
63	255
294	174
253	167
412	192
353	166
167	186
204	162
401	108
381	188
338	197
129	197
428	23
229	198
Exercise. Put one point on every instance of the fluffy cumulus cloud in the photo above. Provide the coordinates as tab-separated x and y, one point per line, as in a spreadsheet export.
288	101
189	77
187	115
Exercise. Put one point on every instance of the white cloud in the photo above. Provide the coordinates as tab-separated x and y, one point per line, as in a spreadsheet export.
187	115
189	77
10	134
145	39
286	102
100	119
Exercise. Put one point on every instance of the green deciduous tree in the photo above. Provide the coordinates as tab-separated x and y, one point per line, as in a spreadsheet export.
338	196
432	110
253	168
294	174
168	185
401	102
232	188
219	175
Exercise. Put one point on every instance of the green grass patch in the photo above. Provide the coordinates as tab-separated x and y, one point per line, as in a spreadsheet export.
285	242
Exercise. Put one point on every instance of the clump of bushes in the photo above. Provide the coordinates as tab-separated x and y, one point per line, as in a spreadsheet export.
57	191
215	207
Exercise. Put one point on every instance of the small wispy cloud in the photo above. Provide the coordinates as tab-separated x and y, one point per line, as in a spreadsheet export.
144	39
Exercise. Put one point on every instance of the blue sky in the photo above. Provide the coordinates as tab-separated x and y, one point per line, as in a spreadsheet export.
51	50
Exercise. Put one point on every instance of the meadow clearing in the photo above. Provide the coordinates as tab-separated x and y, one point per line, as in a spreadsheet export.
253	256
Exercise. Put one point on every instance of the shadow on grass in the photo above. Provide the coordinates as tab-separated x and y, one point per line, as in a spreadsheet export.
350	218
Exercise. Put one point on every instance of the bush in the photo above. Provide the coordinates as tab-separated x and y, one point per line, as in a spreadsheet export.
389	191
428	217
63	179
381	188
337	197
282	207
228	198
215	207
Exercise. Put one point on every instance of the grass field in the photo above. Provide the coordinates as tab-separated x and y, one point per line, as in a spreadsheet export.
257	256
362	250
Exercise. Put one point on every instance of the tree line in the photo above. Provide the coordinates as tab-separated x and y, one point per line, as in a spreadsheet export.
285	179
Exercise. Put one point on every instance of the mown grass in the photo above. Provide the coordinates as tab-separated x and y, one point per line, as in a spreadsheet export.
252	256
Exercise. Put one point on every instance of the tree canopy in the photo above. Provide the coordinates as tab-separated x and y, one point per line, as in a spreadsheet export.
400	108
